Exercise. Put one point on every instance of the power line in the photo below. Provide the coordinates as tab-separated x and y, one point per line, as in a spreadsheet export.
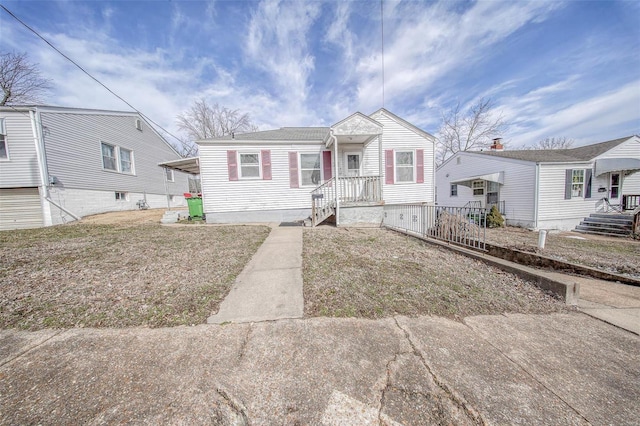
382	46
88	74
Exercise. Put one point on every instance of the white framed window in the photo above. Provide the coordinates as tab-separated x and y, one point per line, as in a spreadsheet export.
249	163
122	196
109	157
454	190
405	166
577	183
169	175
117	159
309	169
126	161
4	149
478	187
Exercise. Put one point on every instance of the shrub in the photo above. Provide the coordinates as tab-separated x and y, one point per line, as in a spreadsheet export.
494	218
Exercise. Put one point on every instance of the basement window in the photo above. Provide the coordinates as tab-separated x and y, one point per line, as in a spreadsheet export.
122	196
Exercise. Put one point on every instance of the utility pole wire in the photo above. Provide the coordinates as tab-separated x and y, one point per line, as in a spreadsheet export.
382	46
87	73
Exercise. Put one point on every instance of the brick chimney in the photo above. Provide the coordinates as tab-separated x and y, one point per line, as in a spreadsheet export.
497	146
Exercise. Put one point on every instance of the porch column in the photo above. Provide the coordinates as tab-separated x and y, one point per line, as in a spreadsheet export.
337	169
380	167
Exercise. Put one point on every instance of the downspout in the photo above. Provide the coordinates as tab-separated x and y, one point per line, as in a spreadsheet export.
536	196
43	168
337	168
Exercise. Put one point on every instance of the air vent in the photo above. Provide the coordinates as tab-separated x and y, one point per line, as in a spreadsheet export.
138	124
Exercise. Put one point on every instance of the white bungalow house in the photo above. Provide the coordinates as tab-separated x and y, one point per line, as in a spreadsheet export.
545	189
59	164
347	171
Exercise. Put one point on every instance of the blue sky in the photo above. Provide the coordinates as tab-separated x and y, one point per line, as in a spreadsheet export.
553	69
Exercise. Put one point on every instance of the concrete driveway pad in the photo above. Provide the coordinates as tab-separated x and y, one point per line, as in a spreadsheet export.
516	369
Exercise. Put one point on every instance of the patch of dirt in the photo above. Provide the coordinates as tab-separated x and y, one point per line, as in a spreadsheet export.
132	273
128	217
610	254
376	273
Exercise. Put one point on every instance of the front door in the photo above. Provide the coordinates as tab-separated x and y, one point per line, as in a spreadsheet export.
493	194
354	163
351	186
615	184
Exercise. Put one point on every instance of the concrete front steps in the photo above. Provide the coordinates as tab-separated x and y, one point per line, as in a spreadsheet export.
613	225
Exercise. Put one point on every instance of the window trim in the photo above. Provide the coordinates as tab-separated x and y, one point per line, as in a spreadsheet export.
3	138
239	159
413	166
173	176
117	152
300	169
480	189
580	184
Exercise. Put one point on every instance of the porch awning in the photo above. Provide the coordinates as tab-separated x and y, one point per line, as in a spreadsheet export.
491	177
607	165
186	165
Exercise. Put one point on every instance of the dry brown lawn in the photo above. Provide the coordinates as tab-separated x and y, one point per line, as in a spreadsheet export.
133	273
376	273
618	255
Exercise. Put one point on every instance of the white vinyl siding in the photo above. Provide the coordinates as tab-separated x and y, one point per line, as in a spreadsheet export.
20	208
221	195
518	191
73	145
398	137
20	168
552	205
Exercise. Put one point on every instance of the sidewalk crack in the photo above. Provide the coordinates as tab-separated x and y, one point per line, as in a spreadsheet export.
451	394
33	347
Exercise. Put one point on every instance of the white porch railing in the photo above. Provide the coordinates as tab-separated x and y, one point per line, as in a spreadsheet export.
323	202
358	189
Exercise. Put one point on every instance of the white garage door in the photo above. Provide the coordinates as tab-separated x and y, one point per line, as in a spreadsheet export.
20	208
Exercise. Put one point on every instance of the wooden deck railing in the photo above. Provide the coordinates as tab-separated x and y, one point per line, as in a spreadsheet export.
630	202
360	189
323	202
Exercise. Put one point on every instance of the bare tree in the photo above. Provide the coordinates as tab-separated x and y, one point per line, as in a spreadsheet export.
21	80
468	130
554	143
204	121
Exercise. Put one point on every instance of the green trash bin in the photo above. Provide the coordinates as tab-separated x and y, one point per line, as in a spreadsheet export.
195	207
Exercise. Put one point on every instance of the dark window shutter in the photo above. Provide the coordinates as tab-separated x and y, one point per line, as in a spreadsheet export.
326	165
293	170
567	184
419	165
587	183
232	164
266	164
388	167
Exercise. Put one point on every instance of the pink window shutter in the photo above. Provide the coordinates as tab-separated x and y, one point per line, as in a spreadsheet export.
232	164
326	165
388	167
419	165
293	170
266	164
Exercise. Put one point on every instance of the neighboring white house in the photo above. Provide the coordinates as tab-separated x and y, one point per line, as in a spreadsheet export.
290	173
58	164
544	189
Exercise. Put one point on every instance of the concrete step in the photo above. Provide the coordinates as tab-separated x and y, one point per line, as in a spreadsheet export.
172	216
625	227
606	234
603	231
590	219
610	215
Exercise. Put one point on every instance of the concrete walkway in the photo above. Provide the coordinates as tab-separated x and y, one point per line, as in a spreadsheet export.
615	303
270	286
502	369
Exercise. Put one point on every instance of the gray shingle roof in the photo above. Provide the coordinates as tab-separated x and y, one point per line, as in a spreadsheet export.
583	153
282	134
